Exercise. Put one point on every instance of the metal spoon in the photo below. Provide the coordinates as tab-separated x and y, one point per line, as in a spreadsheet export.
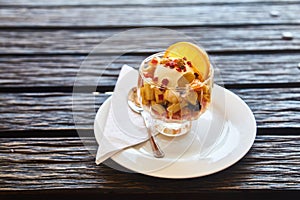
136	107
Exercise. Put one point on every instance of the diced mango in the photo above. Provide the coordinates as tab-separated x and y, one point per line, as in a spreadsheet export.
171	96
174	108
148	92
142	93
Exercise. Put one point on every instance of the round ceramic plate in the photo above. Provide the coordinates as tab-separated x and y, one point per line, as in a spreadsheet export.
218	139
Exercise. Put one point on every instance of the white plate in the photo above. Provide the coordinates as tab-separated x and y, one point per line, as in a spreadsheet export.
219	138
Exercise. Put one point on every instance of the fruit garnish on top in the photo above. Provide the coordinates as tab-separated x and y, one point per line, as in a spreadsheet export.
181	64
176	84
196	56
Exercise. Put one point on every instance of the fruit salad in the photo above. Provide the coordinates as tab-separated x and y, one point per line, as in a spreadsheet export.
176	85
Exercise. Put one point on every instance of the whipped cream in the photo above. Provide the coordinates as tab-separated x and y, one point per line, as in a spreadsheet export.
172	75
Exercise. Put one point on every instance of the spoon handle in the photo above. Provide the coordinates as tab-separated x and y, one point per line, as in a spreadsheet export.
157	152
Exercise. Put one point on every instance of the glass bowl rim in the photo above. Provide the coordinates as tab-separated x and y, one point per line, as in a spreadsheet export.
159	54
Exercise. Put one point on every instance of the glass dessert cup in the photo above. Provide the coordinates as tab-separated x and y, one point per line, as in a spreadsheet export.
174	96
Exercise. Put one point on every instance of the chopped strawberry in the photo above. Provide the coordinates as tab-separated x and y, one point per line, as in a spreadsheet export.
183	68
161	97
172	64
178	69
154	61
165	81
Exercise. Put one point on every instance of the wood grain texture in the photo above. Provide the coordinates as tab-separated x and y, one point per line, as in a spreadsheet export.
43	44
129	2
224	15
213	39
64	163
48	111
273	108
103	70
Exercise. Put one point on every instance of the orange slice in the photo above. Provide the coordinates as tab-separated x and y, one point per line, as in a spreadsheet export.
197	56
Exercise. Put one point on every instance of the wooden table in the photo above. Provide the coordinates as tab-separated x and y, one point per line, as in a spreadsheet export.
255	43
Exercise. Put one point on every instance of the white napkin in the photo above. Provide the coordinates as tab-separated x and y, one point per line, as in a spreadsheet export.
123	128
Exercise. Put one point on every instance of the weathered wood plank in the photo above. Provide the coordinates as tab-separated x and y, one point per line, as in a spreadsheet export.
48	111
64	163
41	164
273	108
58	71
128	2
213	39
193	15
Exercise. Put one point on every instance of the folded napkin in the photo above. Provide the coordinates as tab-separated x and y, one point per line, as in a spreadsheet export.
123	128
